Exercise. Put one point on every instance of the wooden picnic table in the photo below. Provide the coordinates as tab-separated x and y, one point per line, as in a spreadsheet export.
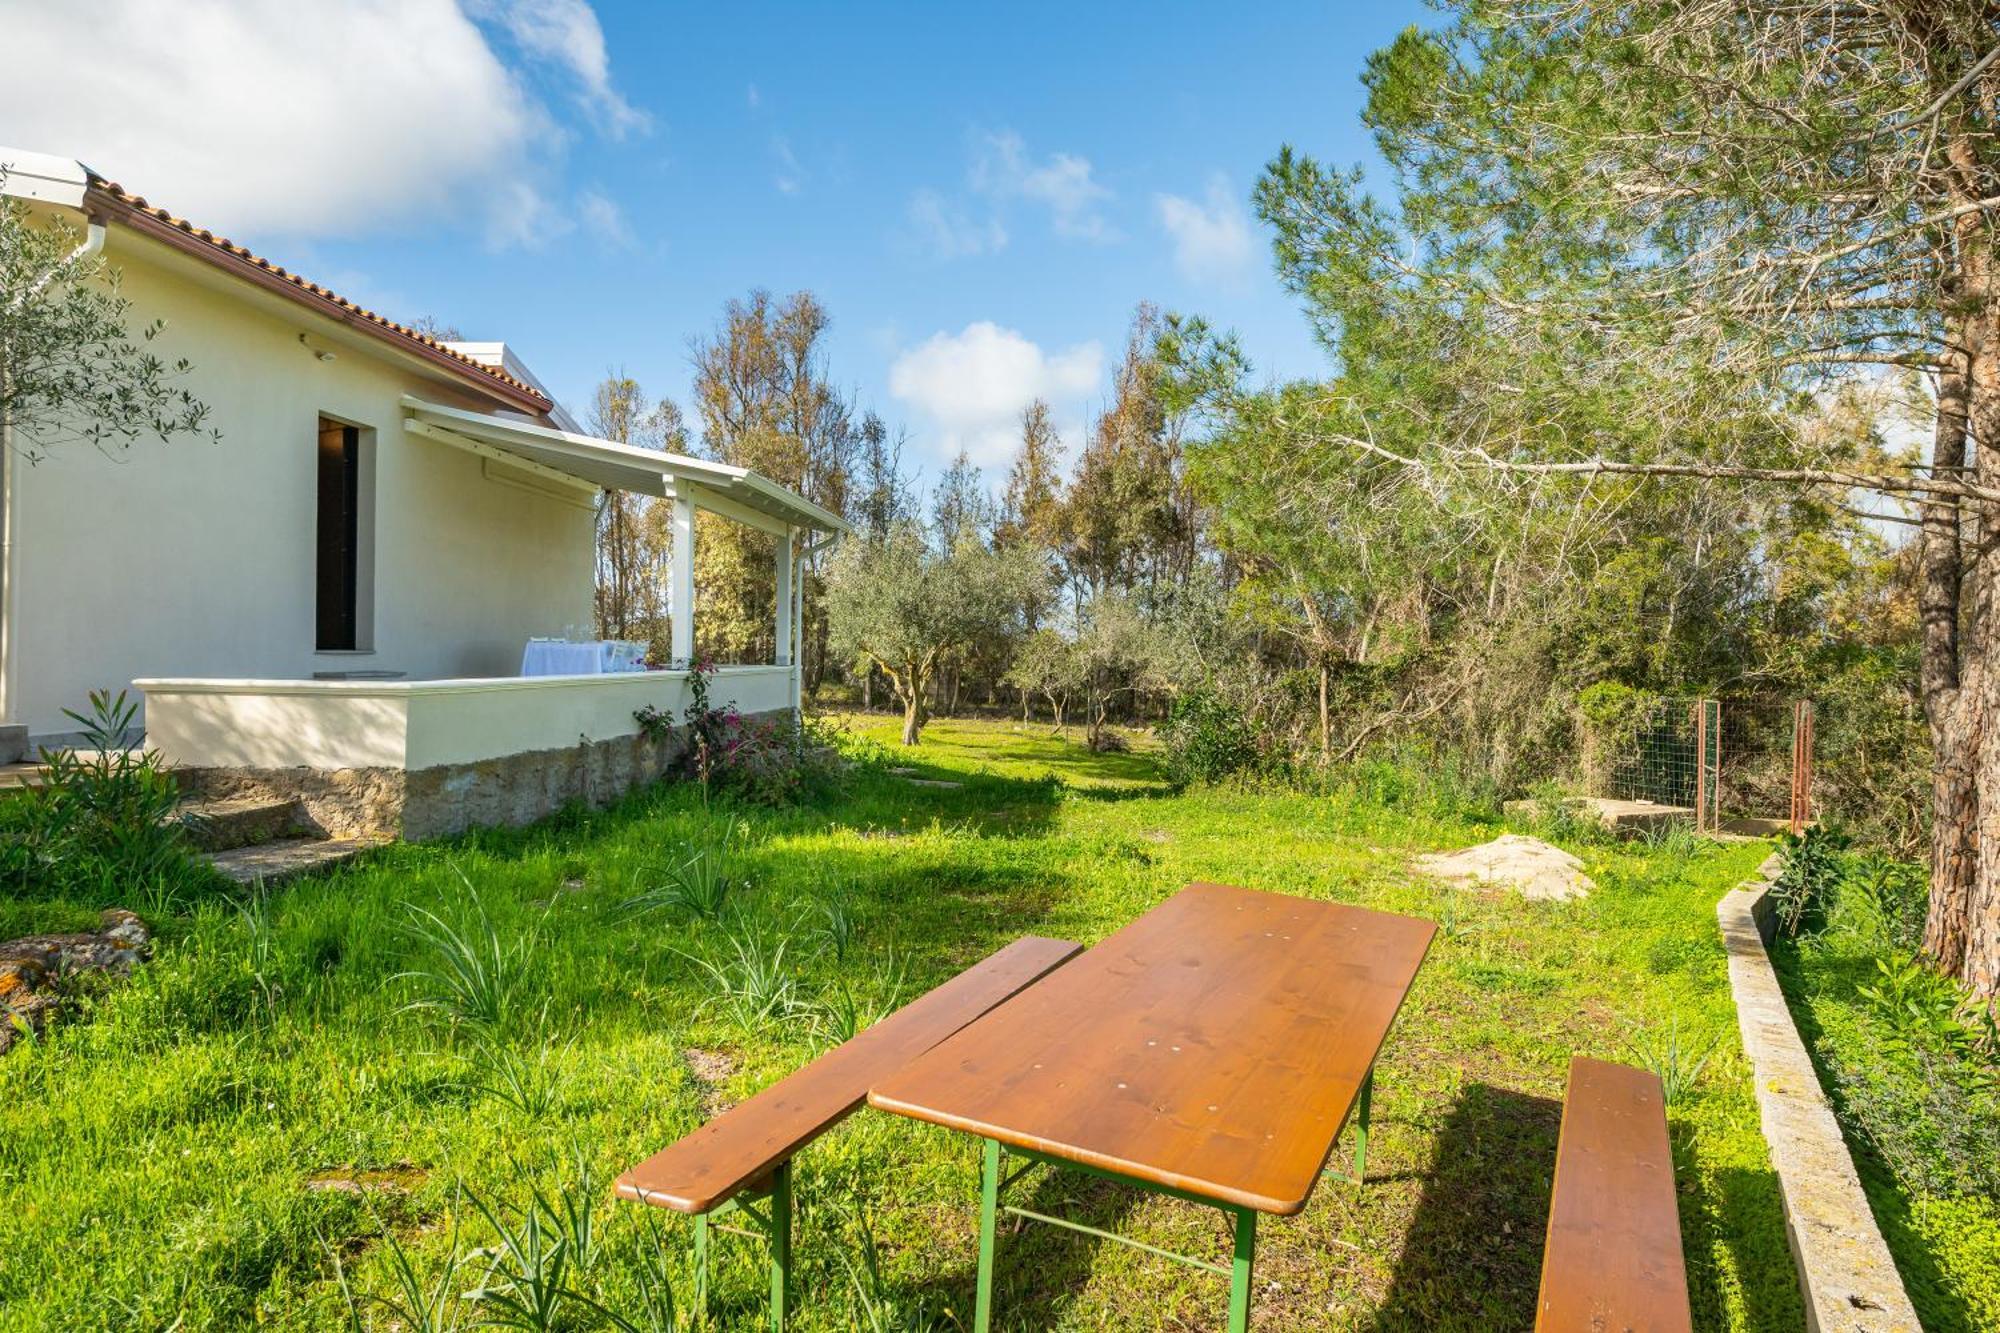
1212	1050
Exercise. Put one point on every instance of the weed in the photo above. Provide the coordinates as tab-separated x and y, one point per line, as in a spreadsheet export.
698	882
474	978
1677	1063
750	986
837	925
412	1303
525	1084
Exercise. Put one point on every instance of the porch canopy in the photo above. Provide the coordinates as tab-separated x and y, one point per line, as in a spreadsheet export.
584	462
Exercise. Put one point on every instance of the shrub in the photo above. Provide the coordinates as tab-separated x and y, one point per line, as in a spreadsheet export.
1812	869
1206	739
105	819
765	761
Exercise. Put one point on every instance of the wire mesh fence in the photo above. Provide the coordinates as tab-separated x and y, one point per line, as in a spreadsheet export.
1731	764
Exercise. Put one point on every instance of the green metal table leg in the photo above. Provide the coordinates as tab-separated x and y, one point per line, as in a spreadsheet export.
989	1205
1361	1128
781	1243
701	1264
1239	1274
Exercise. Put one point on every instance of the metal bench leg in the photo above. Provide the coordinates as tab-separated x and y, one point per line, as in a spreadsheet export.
989	1206
781	1243
1239	1272
1361	1128
701	1265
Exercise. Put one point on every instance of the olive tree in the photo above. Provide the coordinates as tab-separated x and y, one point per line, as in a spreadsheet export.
905	604
72	369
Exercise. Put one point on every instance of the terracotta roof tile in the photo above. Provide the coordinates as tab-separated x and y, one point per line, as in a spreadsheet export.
389	327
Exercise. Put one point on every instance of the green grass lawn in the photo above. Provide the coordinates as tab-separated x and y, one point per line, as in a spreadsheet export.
261	1101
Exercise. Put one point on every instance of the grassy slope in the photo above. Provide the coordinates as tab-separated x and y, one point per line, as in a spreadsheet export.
1925	1148
155	1161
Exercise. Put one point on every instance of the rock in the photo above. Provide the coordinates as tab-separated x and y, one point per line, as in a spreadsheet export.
1528	865
31	967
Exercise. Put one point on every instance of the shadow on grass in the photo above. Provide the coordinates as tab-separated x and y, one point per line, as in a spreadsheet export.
1472	1256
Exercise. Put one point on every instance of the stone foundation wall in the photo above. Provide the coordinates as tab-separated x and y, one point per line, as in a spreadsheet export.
451	798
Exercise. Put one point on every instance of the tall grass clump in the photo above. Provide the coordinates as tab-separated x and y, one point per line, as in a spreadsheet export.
472	977
699	880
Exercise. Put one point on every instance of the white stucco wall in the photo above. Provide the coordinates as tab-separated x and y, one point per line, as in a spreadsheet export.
194	558
415	725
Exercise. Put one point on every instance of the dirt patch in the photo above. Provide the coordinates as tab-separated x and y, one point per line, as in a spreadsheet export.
711	1069
397	1178
1528	865
36	969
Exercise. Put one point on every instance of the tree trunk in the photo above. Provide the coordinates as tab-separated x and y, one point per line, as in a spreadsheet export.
1950	706
915	714
1971	909
1325	713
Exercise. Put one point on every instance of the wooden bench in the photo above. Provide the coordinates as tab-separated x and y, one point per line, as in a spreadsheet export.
1613	1259
744	1155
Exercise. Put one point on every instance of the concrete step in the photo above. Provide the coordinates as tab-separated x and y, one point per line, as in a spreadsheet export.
218	826
19	776
13	742
272	863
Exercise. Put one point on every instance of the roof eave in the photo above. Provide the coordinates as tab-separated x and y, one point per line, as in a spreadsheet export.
102	204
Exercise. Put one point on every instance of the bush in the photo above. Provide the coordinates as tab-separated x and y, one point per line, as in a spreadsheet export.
105	822
1812	868
1206	739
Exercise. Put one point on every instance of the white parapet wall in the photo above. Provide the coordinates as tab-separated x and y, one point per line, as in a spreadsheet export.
418	758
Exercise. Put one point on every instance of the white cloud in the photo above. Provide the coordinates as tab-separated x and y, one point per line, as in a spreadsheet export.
972	385
604	219
566	33
275	118
1062	183
1212	242
791	176
946	230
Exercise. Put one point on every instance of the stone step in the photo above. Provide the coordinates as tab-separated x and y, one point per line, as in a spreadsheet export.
271	863
13	742
19	776
220	826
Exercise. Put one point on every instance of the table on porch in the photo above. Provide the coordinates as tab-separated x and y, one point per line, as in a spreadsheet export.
581	657
1212	1050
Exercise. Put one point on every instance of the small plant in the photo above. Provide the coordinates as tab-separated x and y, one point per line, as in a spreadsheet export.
414	1305
475	978
1924	1010
525	1284
1812	868
255	915
751	986
882	1309
654	725
1676	1062
698	882
837	925
106	816
1451	918
1561	816
525	1084
1896	893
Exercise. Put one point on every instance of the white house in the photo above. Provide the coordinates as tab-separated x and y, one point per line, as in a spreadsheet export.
334	599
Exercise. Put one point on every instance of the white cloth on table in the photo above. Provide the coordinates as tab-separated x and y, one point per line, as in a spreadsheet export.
589	657
559	657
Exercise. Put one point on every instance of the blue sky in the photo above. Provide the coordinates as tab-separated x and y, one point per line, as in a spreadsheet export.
980	195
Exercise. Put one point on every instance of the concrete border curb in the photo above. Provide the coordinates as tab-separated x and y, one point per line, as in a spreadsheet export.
1849	1281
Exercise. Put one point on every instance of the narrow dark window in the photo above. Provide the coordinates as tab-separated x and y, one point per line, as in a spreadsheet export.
339	534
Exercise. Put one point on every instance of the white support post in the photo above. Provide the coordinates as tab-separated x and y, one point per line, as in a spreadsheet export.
681	602
799	636
784	599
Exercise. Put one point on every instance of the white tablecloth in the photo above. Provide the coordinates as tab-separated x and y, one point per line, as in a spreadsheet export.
562	657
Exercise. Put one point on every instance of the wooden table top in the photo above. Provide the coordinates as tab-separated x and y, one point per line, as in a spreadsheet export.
1215	1046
